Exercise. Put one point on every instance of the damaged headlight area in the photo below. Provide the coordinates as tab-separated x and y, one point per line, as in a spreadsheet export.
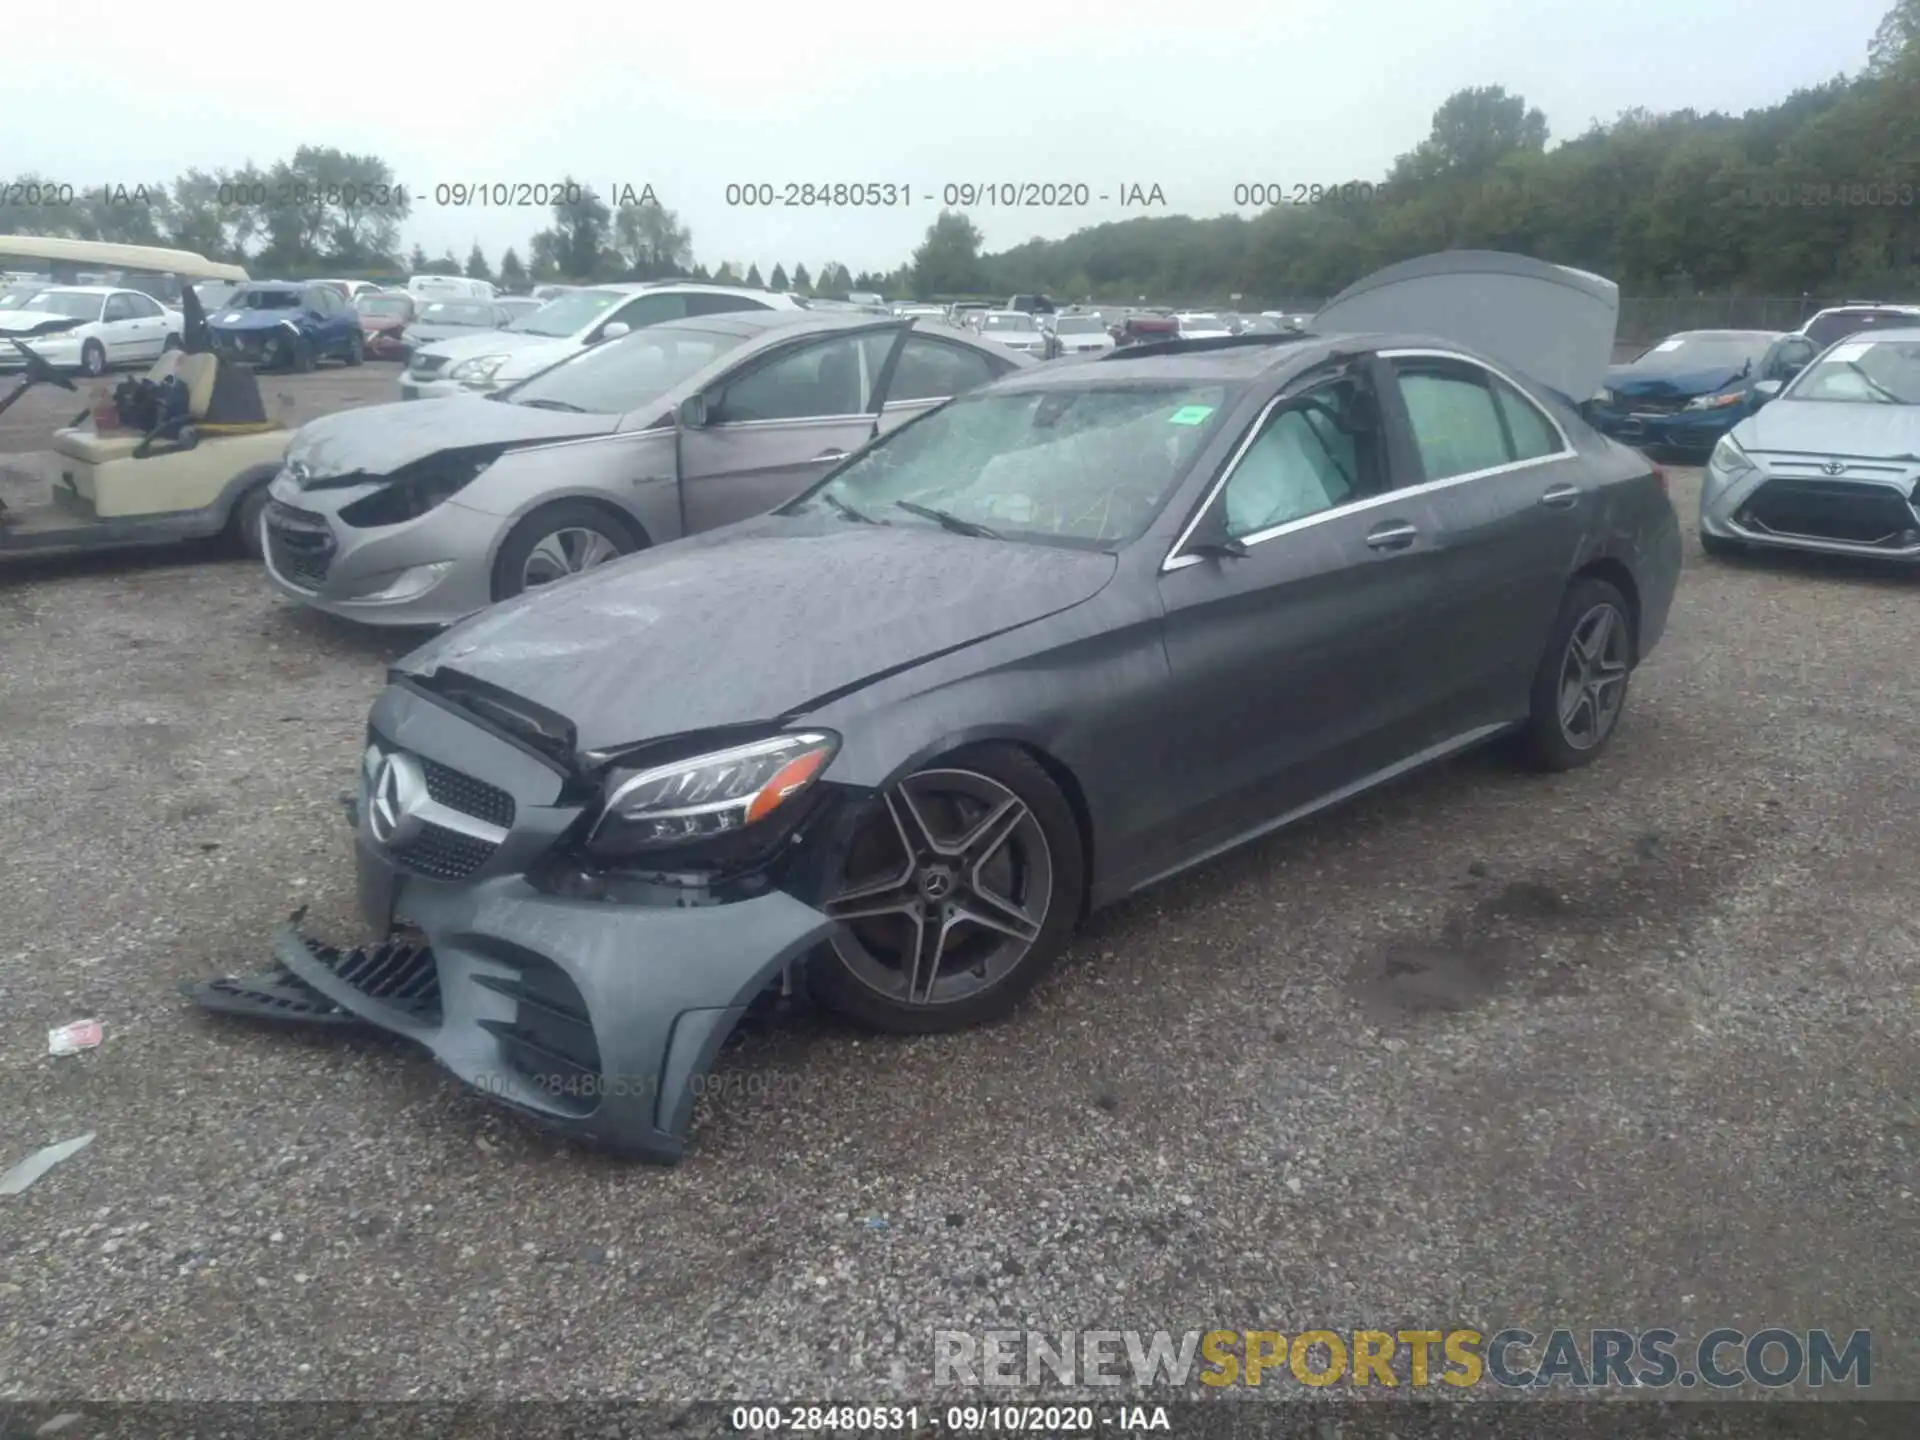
750	791
415	489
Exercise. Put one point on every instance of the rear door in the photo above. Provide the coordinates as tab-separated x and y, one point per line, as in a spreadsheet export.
148	327
782	420
1315	658
932	371
1513	504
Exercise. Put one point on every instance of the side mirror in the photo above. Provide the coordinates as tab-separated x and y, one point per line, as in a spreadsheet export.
1210	538
614	329
693	412
1766	389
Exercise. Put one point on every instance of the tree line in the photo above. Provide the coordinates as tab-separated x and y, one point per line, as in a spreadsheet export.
1816	194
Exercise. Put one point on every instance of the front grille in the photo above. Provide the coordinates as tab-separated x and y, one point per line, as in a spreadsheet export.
1843	510
443	854
468	795
550	1039
300	544
398	972
1654	404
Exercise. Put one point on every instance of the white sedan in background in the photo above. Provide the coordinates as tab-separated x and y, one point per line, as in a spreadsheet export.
1080	335
120	327
1016	330
1202	325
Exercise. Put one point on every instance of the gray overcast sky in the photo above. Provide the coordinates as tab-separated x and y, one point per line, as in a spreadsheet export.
1194	98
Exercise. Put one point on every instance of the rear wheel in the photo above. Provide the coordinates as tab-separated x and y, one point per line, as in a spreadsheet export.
356	348
1580	687
956	897
172	342
559	540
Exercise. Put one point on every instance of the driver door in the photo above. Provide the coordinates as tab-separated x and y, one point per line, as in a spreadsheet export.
781	421
1312	658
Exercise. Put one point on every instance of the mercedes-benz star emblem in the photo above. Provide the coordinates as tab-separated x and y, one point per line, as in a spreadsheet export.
393	801
1834	467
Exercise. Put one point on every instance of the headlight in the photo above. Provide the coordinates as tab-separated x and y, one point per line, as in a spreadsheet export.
708	795
1715	402
1728	461
481	367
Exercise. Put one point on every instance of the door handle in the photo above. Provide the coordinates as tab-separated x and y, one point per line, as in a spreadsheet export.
831	455
1559	497
1394	535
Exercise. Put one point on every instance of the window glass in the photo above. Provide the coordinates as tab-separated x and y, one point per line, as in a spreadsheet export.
144	305
933	370
1454	423
1300	465
1533	434
624	374
649	310
721	304
119	307
1084	467
1823	330
822	379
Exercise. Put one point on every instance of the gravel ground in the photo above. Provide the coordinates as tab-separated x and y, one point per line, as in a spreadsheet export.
1628	1047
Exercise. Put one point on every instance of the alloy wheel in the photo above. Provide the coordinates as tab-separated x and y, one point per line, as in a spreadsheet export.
566	552
1593	676
947	889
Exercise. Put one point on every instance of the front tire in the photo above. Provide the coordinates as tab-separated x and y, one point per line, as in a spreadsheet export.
556	541
301	358
1580	687
956	897
244	528
93	359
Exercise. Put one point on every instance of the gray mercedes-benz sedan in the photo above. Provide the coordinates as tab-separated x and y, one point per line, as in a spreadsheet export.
422	512
1831	464
1072	632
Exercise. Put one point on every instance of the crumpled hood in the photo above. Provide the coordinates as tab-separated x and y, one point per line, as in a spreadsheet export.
380	439
753	622
1646	382
1831	427
18	322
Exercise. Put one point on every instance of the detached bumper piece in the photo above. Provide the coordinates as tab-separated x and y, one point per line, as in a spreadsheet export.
400	973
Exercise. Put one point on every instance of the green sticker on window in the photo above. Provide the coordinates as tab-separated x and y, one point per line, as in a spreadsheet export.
1190	415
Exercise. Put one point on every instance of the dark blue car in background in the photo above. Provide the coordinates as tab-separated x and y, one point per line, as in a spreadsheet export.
1683	394
277	324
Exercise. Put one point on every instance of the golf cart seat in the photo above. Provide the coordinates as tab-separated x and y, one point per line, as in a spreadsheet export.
221	400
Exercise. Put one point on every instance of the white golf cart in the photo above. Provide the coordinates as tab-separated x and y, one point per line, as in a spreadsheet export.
195	461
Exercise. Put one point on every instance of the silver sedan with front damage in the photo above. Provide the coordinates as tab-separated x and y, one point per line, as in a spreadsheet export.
1831	465
420	513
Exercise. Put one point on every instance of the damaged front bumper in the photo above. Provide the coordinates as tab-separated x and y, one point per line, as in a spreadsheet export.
595	1016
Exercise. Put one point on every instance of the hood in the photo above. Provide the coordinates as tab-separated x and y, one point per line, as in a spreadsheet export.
466	344
1828	427
22	322
1657	382
1551	323
430	332
380	439
755	622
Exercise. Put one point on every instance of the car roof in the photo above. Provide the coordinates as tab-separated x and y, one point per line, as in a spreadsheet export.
88	289
1200	362
1723	335
1867	305
1907	334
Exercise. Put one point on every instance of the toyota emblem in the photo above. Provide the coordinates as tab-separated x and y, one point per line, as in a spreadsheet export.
398	790
1835	467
